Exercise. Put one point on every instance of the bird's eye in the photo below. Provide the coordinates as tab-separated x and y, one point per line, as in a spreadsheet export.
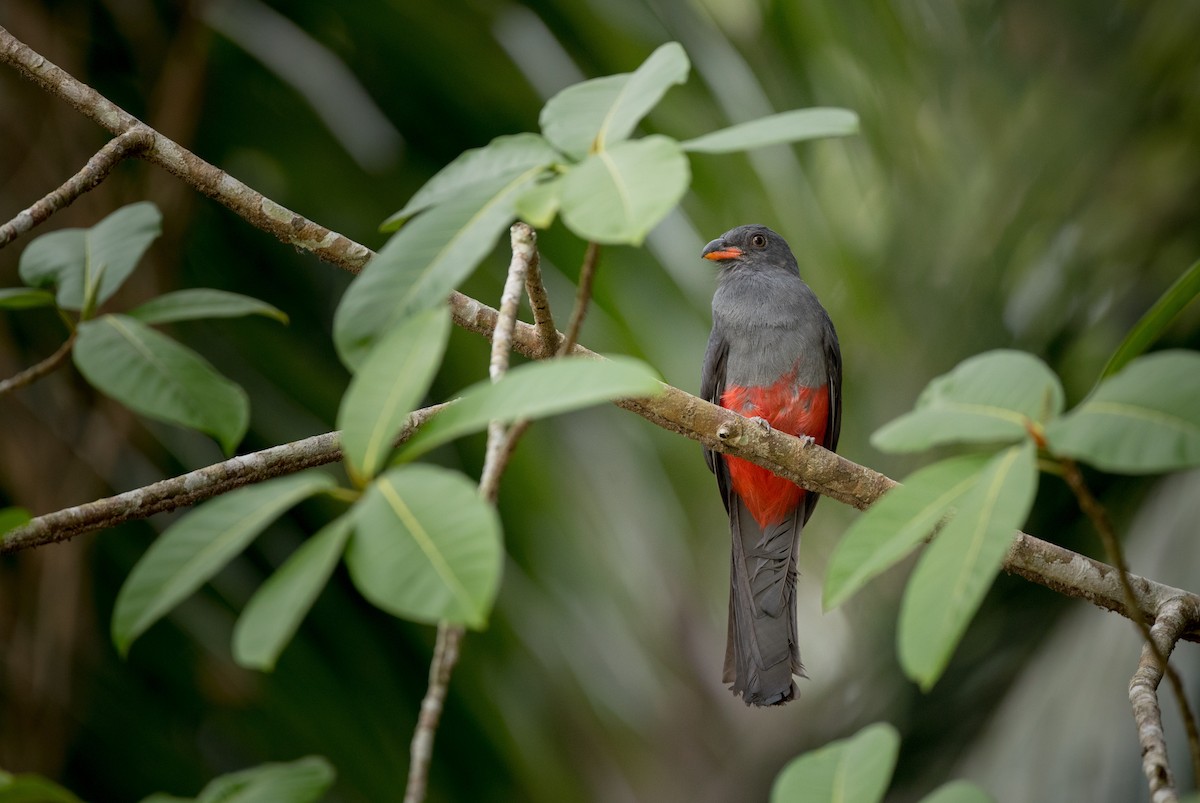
759	241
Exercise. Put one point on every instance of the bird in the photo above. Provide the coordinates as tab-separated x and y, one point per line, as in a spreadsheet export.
772	356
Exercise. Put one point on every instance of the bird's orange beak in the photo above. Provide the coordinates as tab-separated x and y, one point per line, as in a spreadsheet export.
720	250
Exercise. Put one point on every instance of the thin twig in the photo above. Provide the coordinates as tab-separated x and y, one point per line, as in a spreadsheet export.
583	297
1116	556
190	488
1173	617
127	144
499	447
35	372
539	302
445	656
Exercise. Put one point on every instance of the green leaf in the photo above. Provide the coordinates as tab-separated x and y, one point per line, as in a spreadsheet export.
597	114
499	161
539	205
957	792
13	517
426	547
536	390
1143	420
198	546
31	788
790	126
853	770
152	374
991	397
25	298
1156	319
94	261
274	613
892	527
423	262
389	384
302	781
958	567
619	194
203	302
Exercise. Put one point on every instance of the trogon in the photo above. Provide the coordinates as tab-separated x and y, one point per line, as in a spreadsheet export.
773	356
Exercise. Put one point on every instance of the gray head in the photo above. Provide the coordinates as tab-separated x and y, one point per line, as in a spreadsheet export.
751	248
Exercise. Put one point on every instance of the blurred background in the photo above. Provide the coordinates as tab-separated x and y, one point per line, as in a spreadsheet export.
1027	176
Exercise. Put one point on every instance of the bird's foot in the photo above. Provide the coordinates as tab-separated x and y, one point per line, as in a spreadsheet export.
806	440
762	423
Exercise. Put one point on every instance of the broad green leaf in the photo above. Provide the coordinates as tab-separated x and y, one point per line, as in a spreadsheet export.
31	788
958	567
1156	319
203	302
957	792
536	390
152	374
25	298
59	260
791	126
426	547
991	397
198	546
100	258
498	161
274	613
619	194
304	780
1143	420
389	384
12	518
892	527
853	770
423	262
538	206
597	114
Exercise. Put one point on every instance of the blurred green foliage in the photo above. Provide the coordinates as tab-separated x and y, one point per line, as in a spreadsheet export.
1027	176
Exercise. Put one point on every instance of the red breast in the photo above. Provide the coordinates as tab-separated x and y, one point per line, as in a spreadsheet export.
794	409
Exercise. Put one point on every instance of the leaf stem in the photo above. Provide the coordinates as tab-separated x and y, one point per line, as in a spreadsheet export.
587	274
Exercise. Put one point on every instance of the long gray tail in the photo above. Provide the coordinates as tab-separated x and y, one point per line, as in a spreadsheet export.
761	653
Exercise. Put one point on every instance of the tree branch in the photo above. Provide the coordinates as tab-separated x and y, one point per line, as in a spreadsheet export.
499	448
1112	549
539	302
35	372
445	656
129	143
1174	616
189	489
258	210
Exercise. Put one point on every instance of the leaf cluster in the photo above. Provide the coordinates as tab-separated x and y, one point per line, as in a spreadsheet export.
1008	407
